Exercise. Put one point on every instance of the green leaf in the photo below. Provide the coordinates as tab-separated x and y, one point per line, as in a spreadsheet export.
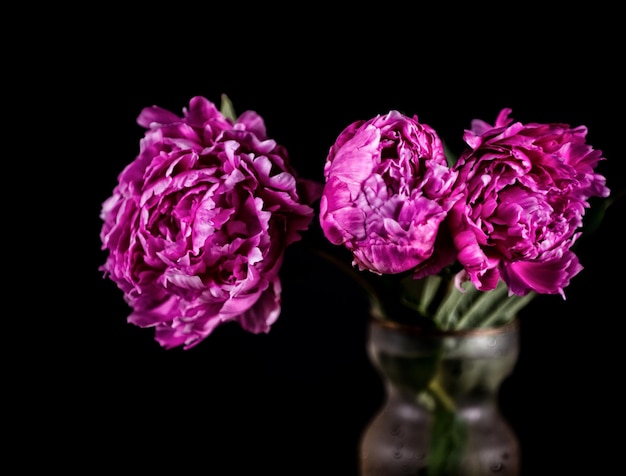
227	108
597	210
451	157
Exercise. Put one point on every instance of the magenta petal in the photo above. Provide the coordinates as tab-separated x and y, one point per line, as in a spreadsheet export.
156	115
258	318
549	277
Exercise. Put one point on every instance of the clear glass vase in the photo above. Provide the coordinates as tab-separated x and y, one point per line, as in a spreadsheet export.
441	415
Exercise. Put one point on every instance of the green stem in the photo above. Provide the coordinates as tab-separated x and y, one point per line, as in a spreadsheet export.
508	309
448	438
480	306
441	395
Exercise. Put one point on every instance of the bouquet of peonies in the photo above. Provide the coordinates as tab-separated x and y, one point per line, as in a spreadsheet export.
463	242
197	227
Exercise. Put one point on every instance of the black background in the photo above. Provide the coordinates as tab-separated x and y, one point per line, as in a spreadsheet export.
295	401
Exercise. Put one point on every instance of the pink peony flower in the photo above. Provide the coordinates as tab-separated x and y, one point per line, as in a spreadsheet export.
528	186
388	188
198	223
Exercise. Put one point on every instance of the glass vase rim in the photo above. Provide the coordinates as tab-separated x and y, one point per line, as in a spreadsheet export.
416	329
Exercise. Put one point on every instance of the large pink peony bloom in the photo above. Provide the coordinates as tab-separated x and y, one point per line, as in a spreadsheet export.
528	188
388	188
197	226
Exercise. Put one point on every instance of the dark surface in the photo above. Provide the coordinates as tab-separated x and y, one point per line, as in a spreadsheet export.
295	401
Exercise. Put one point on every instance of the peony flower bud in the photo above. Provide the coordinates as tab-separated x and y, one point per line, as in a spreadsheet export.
388	188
